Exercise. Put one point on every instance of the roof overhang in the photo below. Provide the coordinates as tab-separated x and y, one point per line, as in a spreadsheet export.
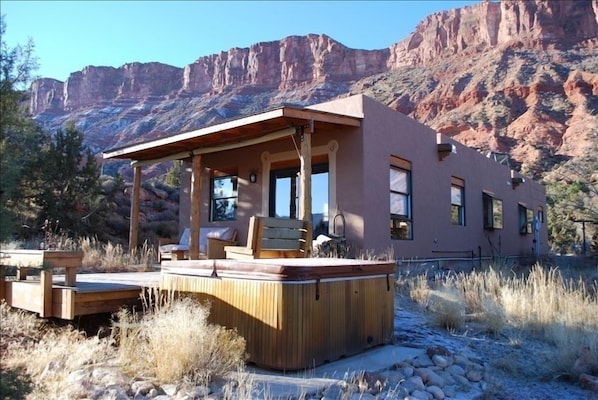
245	131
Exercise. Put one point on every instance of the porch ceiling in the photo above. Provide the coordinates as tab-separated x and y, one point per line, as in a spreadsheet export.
235	133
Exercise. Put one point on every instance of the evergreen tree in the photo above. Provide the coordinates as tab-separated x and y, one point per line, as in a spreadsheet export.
572	195
42	177
68	187
20	138
173	174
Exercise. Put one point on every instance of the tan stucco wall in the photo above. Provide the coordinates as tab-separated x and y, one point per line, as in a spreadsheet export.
362	186
386	133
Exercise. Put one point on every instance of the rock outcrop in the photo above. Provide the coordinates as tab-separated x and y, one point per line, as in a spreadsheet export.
279	65
532	23
509	76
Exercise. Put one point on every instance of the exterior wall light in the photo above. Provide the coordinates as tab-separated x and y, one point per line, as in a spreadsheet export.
444	149
253	177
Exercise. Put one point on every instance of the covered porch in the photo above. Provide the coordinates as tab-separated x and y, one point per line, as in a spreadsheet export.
286	127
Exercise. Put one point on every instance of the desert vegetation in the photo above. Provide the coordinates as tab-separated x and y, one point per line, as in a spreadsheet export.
97	256
171	340
152	343
503	300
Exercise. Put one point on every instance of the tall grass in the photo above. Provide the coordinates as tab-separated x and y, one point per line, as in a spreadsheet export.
38	358
97	256
173	341
108	257
539	304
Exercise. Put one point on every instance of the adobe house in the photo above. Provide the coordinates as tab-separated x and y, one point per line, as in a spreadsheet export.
355	168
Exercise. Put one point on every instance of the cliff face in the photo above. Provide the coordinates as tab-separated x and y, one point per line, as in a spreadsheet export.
281	65
510	76
533	23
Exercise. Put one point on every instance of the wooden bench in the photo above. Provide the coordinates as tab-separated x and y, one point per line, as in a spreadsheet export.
36	296
270	237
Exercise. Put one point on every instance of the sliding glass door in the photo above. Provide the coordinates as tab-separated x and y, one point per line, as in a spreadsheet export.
284	195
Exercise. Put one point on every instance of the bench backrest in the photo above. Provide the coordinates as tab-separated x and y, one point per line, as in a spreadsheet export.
276	237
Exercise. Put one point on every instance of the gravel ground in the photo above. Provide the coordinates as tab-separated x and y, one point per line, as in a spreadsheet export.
517	368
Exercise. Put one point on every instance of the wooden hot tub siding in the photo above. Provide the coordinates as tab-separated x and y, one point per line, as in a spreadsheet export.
293	325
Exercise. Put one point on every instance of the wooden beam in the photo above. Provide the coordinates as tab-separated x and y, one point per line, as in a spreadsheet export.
46	291
214	149
322	116
305	181
195	214
134	221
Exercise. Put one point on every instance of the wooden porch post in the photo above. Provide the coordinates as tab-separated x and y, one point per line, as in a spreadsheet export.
195	215
305	198
134	220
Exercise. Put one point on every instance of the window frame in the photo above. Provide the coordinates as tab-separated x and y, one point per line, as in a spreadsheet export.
292	173
493	217
526	219
214	216
459	184
540	214
401	225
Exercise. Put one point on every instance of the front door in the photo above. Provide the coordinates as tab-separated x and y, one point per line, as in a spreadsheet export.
284	195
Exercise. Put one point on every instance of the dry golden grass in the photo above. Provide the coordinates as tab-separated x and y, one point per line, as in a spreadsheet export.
539	304
38	358
107	257
173	341
447	307
99	256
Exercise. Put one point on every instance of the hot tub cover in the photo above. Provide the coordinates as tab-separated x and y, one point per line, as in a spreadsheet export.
280	269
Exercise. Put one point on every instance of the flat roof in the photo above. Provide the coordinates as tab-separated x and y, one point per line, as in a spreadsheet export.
244	131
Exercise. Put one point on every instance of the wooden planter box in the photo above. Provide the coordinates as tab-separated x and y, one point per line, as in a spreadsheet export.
293	313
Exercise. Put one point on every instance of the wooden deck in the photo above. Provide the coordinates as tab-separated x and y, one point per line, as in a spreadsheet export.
93	293
294	313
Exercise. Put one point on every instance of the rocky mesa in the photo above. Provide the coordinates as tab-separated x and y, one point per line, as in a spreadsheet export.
519	77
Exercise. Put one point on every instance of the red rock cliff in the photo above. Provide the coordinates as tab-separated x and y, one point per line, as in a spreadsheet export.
488	24
284	65
511	76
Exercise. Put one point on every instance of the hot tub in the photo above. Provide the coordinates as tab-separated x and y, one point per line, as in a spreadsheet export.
294	313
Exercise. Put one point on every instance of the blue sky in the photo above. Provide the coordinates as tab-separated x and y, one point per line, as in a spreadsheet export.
70	35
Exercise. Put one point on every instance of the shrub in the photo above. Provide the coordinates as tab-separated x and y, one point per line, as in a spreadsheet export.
175	342
118	225
158	205
172	343
40	358
448	308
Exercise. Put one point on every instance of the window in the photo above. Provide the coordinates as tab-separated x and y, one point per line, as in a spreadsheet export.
541	214
492	212
457	201
526	220
224	198
284	195
400	199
